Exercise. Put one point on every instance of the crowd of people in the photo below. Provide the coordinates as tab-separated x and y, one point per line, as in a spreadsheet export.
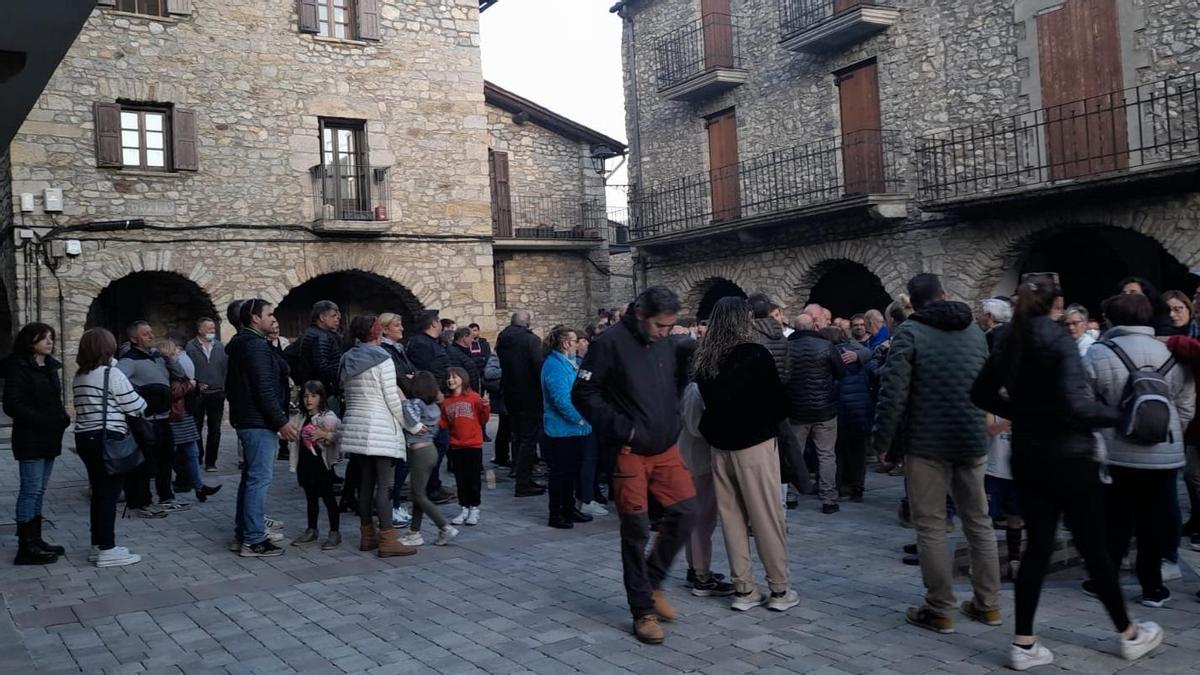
1008	416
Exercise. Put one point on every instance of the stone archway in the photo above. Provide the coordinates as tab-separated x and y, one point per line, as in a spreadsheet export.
355	291
167	300
708	292
846	288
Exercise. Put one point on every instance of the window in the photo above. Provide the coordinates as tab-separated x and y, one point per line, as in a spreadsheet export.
340	19
150	7
345	168
334	18
144	139
500	284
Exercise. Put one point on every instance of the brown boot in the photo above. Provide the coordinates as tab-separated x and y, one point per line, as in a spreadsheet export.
646	629
388	546
370	538
662	608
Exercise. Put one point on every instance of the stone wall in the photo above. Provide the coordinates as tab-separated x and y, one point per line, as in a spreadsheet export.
621	285
555	286
542	162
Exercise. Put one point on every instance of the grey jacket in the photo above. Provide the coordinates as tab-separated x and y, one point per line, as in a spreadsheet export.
697	453
212	369
1108	376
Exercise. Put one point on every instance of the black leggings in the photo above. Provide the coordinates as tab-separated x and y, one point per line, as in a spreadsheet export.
314	495
467	465
1050	488
1140	500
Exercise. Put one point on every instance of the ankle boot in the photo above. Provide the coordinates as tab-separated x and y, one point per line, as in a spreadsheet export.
370	538
28	552
36	523
389	546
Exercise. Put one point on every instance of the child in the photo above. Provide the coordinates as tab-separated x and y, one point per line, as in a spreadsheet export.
463	415
422	409
1001	490
312	458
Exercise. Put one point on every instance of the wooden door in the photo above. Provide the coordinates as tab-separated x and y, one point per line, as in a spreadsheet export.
723	166
862	139
501	198
717	24
1080	56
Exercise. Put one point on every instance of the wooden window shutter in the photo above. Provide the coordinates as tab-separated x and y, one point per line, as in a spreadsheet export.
368	19
179	6
108	133
183	140
501	197
308	16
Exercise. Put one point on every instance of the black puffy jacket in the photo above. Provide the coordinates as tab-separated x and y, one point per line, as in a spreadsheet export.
1048	401
816	368
321	356
461	357
33	399
257	382
520	352
429	354
769	333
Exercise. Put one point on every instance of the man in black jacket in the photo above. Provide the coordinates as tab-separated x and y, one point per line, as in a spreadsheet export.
480	349
459	355
520	352
257	386
426	352
812	401
628	389
321	349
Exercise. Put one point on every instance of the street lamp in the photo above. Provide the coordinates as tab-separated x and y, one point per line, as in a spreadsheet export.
601	153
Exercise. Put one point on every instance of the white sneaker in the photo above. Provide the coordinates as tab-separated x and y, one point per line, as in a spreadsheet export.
445	535
473	516
412	539
1171	571
749	601
1149	636
400	516
117	556
94	554
272	524
461	517
1024	659
274	537
783	602
593	509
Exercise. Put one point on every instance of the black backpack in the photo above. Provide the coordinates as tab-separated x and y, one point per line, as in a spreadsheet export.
1146	402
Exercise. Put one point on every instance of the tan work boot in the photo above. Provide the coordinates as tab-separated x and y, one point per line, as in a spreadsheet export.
990	617
388	546
370	538
662	608
647	630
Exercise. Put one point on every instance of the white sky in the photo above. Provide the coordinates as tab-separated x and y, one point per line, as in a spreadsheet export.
562	54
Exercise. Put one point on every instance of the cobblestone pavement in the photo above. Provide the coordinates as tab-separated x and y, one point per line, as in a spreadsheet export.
509	596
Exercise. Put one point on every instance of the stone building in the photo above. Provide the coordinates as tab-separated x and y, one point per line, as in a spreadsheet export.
827	150
549	212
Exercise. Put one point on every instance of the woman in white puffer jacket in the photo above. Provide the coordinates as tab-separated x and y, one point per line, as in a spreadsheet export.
373	427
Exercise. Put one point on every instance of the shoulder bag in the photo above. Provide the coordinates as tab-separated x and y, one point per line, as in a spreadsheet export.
121	455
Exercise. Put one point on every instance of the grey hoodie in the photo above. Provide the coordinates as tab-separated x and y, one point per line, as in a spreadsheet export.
361	358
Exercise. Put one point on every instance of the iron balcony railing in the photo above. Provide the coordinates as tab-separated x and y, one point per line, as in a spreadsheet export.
861	162
540	217
797	16
702	45
350	192
1144	126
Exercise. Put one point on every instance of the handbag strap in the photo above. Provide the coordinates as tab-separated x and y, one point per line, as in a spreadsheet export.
104	403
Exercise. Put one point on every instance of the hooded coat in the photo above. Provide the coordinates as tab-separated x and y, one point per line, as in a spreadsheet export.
374	420
769	333
33	399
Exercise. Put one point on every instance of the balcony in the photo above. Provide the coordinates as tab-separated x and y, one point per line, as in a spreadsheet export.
350	199
544	223
1125	141
701	59
827	26
807	185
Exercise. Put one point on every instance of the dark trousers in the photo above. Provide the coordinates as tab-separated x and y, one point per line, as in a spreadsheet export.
1050	488
159	461
467	466
441	441
210	408
375	490
503	439
585	485
400	475
313	496
851	451
350	484
527	430
105	488
564	456
1139	500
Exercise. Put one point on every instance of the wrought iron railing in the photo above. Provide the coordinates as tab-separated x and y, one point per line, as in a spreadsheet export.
868	161
1143	126
538	217
797	16
350	192
702	45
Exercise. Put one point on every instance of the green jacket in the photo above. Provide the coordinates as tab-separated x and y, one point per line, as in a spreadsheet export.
925	395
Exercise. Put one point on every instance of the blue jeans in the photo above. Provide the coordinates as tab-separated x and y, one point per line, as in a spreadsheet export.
258	447
35	475
191	464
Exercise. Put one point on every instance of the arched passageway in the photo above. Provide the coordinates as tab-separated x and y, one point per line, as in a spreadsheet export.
354	291
847	288
717	288
168	301
1091	261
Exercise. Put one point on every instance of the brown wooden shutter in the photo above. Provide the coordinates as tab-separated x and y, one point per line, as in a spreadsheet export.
501	197
723	166
107	117
717	22
183	140
308	16
862	139
179	6
368	19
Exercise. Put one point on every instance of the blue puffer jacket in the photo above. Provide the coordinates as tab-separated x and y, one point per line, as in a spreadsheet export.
560	419
856	402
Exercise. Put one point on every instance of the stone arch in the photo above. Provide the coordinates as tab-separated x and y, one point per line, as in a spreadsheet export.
710	291
873	256
355	291
169	301
360	260
845	288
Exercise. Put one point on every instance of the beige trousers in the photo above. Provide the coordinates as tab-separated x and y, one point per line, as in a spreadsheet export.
747	488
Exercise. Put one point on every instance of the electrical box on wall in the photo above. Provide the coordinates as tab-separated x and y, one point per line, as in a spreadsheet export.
26	202
74	248
53	199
